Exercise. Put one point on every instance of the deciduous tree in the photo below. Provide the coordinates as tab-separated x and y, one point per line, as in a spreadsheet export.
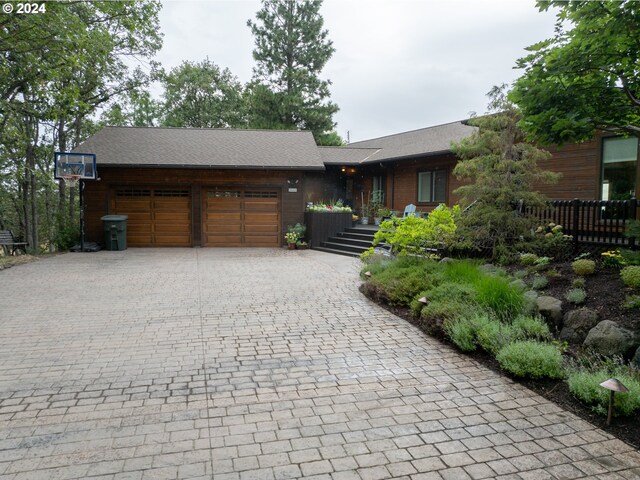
587	76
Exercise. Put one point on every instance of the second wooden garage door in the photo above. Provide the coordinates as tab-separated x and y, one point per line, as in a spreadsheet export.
241	218
158	217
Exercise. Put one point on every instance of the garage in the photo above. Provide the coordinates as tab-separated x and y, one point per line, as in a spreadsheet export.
158	217
241	217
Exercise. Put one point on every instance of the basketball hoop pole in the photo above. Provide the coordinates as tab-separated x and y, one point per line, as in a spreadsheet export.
81	191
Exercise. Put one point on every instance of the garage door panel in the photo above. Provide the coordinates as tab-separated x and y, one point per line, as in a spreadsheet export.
173	217
254	229
261	218
134	204
157	217
242	218
268	205
171	203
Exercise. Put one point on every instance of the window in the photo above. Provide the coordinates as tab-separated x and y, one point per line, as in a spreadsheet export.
377	193
619	167
432	186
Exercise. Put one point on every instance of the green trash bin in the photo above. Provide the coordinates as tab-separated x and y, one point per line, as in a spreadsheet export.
115	232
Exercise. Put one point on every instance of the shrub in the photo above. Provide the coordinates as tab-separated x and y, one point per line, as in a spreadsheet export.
584	267
585	386
631	276
576	296
539	282
463	331
531	359
498	295
520	274
632	301
446	301
630	257
578	283
532	327
528	259
493	335
611	258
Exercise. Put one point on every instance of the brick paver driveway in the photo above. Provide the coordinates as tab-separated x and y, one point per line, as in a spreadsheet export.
255	364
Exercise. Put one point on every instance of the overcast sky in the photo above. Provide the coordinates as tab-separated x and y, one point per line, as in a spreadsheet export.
399	64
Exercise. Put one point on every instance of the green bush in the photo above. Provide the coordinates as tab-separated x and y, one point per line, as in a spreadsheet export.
498	295
411	235
584	267
528	259
585	386
632	301
493	335
531	327
539	282
520	274
630	257
446	300
463	331
578	283
576	296
631	276
531	359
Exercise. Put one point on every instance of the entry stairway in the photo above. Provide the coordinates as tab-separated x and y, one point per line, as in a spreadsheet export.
352	242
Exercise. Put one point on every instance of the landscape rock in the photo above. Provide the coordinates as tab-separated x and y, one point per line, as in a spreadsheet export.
609	338
577	324
551	309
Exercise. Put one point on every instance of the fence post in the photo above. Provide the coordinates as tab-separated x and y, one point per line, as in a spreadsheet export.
633	205
575	220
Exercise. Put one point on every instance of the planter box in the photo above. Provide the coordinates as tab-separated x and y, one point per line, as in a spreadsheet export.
321	226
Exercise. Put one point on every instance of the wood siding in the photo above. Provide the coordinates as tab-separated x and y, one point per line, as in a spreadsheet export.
98	193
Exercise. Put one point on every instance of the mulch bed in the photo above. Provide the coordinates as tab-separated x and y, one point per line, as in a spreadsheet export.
606	295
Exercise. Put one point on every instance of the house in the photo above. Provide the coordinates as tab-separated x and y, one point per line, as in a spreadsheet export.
225	187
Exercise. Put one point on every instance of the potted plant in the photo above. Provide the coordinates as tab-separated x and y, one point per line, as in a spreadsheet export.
383	213
364	214
291	238
302	245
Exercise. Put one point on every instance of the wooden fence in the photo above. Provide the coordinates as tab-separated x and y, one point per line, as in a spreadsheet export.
591	222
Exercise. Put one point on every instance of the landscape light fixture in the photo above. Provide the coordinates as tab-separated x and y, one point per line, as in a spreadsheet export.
423	300
613	385
367	273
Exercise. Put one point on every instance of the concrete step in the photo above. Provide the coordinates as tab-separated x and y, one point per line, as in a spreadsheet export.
344	246
357	242
357	236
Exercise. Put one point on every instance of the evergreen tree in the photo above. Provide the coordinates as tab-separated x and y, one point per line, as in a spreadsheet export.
291	50
501	170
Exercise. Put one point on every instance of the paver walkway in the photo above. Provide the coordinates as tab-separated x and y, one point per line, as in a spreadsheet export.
255	364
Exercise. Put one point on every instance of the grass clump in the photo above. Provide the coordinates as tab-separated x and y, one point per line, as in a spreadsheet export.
631	276
578	283
577	296
632	301
531	359
584	384
584	267
539	282
462	271
499	296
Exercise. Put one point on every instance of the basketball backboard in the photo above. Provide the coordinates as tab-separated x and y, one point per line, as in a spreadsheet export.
79	165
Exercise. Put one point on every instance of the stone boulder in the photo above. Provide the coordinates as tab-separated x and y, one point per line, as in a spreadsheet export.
551	310
577	324
609	338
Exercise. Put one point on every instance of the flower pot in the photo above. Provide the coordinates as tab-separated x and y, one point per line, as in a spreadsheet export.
365	220
376	220
291	246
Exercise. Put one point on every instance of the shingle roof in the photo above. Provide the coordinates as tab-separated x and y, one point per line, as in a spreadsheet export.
425	141
346	155
191	147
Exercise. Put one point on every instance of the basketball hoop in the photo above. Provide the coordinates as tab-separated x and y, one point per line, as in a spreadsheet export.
71	180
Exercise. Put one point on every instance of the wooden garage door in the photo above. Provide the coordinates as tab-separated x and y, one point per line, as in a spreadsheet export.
158	217
241	218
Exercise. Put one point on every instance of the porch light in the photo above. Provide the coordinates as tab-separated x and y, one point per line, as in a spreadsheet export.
613	385
343	169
